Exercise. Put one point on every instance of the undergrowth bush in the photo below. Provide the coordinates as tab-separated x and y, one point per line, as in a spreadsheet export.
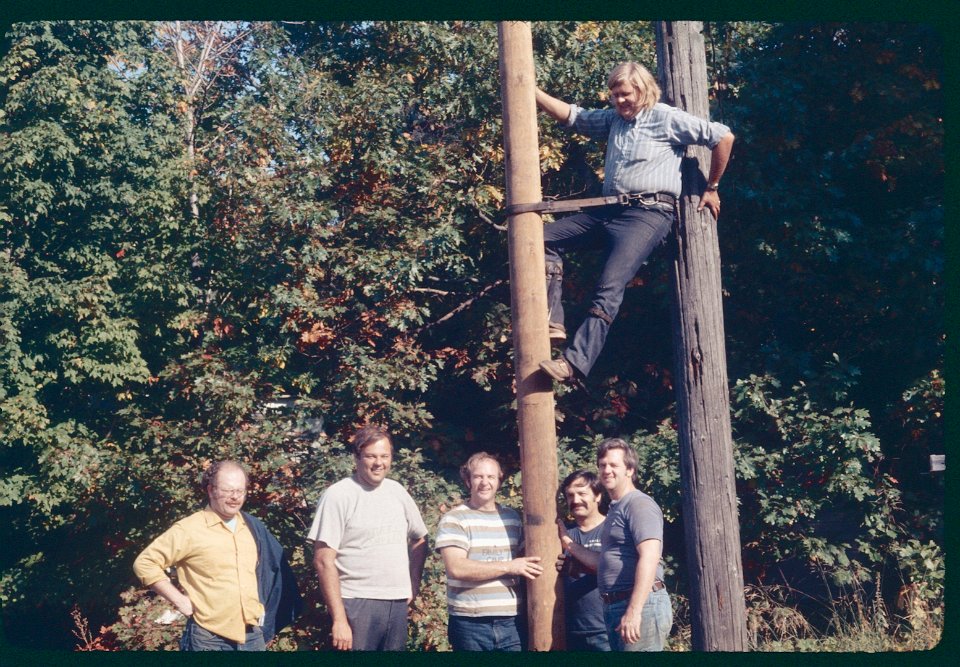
799	463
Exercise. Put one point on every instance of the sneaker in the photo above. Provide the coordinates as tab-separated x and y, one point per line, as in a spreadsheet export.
559	369
558	332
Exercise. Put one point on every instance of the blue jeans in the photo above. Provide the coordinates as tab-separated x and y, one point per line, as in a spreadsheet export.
377	625
197	638
631	235
484	633
655	623
597	641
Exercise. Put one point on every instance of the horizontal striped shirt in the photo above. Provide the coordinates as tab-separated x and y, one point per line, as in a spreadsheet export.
495	535
644	155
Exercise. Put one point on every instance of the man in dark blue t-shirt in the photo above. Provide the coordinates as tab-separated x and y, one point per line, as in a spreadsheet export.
586	630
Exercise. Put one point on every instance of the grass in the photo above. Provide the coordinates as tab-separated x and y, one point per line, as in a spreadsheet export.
853	623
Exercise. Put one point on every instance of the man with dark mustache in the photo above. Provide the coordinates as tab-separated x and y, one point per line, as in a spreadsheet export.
586	629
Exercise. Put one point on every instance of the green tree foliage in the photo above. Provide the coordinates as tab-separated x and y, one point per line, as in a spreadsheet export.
839	203
835	263
94	250
243	239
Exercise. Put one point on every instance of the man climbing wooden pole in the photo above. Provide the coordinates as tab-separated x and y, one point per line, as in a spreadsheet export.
535	404
706	448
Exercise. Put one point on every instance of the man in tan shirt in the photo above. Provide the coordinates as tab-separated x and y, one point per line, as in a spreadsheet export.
216	553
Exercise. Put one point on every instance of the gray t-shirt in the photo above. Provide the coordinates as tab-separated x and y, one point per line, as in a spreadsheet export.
370	529
631	520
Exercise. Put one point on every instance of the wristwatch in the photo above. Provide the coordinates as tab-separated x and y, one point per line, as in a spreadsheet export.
713	187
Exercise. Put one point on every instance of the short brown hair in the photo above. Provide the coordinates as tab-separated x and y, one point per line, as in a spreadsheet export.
588	478
629	455
592	481
466	470
368	435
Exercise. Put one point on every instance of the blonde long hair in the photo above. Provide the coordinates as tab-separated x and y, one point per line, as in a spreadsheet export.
639	77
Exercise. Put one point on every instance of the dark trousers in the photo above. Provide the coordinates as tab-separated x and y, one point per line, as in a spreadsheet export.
598	641
631	234
377	625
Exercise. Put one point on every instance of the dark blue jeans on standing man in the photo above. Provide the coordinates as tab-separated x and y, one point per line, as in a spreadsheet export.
484	633
631	235
598	641
197	638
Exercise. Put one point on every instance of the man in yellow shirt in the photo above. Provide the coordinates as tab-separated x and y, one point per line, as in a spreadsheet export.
231	570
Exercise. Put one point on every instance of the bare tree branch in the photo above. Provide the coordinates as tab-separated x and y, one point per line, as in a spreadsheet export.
487	219
463	306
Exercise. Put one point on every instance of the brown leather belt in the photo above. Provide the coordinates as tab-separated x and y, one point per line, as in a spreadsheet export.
617	596
568	205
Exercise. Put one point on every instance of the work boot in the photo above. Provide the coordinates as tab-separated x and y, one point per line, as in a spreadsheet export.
559	369
558	333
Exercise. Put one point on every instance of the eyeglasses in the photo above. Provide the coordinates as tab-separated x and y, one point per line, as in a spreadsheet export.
231	493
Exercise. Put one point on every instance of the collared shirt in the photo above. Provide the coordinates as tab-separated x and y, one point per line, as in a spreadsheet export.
217	568
644	155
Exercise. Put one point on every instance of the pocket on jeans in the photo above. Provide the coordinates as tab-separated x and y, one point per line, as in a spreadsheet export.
202	639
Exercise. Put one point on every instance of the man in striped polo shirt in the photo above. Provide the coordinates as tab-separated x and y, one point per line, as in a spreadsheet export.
645	145
481	542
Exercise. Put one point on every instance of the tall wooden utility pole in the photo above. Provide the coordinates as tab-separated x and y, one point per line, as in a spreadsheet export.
531	344
710	522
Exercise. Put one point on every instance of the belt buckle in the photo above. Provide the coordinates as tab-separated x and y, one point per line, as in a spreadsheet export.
615	596
645	198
